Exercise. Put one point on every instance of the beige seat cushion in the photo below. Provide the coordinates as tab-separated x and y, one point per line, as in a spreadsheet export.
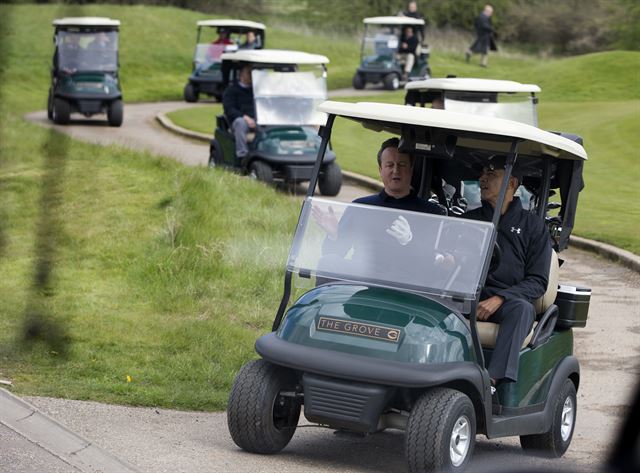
488	331
252	136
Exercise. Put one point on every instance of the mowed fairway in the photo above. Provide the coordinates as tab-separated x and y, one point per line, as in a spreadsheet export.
162	277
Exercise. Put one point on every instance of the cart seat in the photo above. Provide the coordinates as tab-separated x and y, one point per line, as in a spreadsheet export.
488	331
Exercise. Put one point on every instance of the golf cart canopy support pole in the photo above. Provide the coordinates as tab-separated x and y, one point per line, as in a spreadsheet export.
325	133
543	198
285	300
511	160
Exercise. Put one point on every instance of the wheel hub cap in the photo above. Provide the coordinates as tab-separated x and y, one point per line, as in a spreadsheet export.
568	413
460	441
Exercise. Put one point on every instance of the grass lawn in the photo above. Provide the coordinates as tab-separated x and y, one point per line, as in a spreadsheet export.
160	277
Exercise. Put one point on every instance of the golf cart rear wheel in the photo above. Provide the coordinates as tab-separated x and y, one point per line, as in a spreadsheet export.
358	82
261	171
441	432
115	113
260	419
555	442
215	155
50	105
190	93
61	111
391	81
330	180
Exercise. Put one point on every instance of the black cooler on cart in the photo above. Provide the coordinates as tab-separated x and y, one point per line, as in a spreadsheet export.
573	306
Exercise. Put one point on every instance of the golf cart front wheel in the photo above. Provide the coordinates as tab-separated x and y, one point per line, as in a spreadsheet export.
330	180
261	171
358	82
391	82
61	111
115	114
441	432
556	441
261	419
190	93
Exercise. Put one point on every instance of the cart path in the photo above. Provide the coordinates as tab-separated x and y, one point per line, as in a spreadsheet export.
142	132
163	440
159	440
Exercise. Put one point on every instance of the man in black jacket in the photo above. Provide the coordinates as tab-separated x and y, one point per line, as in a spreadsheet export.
522	275
407	50
239	108
484	37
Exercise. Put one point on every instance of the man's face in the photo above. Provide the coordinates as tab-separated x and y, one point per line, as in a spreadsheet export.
490	181
395	172
412	7
245	75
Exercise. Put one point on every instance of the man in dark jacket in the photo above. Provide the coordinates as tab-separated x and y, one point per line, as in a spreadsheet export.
407	50
413	12
522	275
239	108
484	37
387	230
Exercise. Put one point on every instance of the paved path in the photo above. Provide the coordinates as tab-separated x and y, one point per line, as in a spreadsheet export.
163	440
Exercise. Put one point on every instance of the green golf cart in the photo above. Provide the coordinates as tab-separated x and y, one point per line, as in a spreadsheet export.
385	336
213	39
84	75
380	59
287	88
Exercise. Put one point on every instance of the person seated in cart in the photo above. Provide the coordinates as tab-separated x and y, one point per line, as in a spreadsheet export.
510	291
251	41
408	50
396	171
239	108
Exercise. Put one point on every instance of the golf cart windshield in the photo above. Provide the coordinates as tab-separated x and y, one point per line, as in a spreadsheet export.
518	107
289	98
381	40
87	51
207	54
443	257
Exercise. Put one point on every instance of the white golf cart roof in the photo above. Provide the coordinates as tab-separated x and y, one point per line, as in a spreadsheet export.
391	118
86	21
275	56
252	25
393	20
472	85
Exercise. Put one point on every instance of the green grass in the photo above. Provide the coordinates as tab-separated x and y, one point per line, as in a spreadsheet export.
155	275
168	274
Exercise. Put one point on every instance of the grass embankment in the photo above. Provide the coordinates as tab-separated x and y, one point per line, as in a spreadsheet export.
572	100
158	272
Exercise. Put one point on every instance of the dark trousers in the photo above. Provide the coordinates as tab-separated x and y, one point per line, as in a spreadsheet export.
515	318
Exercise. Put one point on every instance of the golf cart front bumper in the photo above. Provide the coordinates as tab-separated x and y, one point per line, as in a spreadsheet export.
364	369
353	391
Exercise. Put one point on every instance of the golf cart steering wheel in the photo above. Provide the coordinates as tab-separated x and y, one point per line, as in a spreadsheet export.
496	257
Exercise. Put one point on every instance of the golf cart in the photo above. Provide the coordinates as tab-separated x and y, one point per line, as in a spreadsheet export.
84	76
390	338
486	97
206	74
379	57
287	88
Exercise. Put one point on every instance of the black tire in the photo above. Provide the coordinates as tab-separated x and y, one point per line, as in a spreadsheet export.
358	82
215	155
554	443
261	171
391	81
61	111
441	432
50	105
330	180
115	113
259	419
190	93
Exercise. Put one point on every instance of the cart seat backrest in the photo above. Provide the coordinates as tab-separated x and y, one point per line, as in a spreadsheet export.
488	331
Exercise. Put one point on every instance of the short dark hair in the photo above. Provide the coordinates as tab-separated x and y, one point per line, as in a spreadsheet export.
390	143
